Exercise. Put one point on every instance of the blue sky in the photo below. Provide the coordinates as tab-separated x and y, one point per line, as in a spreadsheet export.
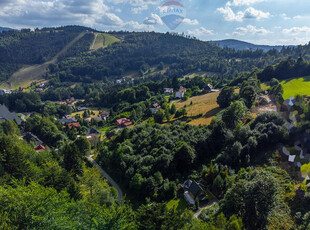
273	22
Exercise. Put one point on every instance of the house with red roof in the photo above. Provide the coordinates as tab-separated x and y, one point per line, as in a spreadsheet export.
40	148
73	125
123	122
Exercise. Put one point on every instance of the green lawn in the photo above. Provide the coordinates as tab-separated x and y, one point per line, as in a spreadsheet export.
177	204
109	40
296	86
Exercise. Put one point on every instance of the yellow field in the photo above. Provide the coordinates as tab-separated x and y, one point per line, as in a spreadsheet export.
204	104
96	112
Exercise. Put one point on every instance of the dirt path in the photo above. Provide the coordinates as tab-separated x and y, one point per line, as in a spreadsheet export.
94	42
105	175
197	214
24	76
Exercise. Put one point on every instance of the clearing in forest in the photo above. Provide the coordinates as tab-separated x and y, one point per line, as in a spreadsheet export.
26	75
296	86
103	40
202	109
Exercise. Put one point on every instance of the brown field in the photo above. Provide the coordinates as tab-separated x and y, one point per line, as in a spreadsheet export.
204	104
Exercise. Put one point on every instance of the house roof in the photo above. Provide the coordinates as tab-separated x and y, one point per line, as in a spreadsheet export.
40	147
291	158
182	89
155	106
105	113
6	114
76	124
193	187
123	121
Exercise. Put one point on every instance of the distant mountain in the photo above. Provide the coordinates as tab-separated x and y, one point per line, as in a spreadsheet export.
240	45
5	29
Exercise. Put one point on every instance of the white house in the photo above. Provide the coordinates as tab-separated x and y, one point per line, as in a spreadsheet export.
180	93
5	91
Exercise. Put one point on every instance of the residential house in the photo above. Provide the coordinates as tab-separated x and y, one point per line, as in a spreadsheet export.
40	148
93	139
71	100
31	137
181	92
93	131
119	81
154	108
63	103
105	115
67	119
71	106
5	114
193	190
88	119
73	125
288	104
208	88
96	118
39	90
123	122
5	91
168	91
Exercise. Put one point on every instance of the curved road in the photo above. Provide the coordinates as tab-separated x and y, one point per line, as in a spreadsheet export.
111	181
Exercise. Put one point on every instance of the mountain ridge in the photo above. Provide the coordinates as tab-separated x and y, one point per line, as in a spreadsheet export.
242	45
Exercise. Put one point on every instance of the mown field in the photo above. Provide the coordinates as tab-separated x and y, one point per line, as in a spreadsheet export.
204	105
296	86
103	41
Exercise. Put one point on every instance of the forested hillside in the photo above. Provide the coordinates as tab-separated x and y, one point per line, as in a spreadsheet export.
36	47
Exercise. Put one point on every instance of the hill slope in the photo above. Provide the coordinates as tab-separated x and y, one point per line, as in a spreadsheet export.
241	45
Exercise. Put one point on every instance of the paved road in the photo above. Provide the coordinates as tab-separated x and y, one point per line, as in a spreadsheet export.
111	181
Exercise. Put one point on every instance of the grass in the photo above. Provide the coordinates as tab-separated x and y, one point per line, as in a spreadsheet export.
296	86
264	86
104	40
96	112
178	204
204	104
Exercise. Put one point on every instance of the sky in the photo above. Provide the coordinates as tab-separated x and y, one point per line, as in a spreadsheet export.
269	22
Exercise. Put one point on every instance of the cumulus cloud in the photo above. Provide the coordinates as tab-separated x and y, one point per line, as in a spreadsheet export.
154	19
191	22
243	2
249	13
52	12
200	32
296	30
252	30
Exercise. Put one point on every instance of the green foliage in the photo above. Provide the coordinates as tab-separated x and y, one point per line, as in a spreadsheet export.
234	114
226	96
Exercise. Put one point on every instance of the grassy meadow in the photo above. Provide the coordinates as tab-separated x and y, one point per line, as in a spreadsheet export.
296	86
204	105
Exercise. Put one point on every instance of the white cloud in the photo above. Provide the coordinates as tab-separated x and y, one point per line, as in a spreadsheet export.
50	13
200	32
249	13
252	30
190	21
138	10
229	14
243	2
154	19
296	30
137	26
